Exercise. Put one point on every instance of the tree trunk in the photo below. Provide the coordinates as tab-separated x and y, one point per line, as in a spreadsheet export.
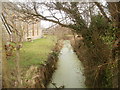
18	67
17	41
5	71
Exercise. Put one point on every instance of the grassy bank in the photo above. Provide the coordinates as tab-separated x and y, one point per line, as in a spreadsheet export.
35	52
32	55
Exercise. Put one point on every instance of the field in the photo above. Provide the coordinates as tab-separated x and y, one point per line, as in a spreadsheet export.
35	52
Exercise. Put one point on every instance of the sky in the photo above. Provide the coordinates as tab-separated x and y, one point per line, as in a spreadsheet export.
46	24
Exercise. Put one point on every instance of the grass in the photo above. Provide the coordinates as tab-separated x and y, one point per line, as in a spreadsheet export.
35	53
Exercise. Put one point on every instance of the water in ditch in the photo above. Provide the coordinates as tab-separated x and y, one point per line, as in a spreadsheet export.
69	72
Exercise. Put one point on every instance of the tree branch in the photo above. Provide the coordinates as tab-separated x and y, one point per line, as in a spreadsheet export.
102	11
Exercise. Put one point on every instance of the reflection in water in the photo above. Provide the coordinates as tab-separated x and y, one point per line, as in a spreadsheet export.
69	71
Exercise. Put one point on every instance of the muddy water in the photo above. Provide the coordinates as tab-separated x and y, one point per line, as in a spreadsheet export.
69	72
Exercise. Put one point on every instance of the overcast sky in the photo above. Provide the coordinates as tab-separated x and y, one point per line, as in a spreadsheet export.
46	24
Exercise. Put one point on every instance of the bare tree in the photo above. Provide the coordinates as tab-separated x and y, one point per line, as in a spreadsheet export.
74	15
9	18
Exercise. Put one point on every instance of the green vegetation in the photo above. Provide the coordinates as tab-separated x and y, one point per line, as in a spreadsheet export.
35	53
